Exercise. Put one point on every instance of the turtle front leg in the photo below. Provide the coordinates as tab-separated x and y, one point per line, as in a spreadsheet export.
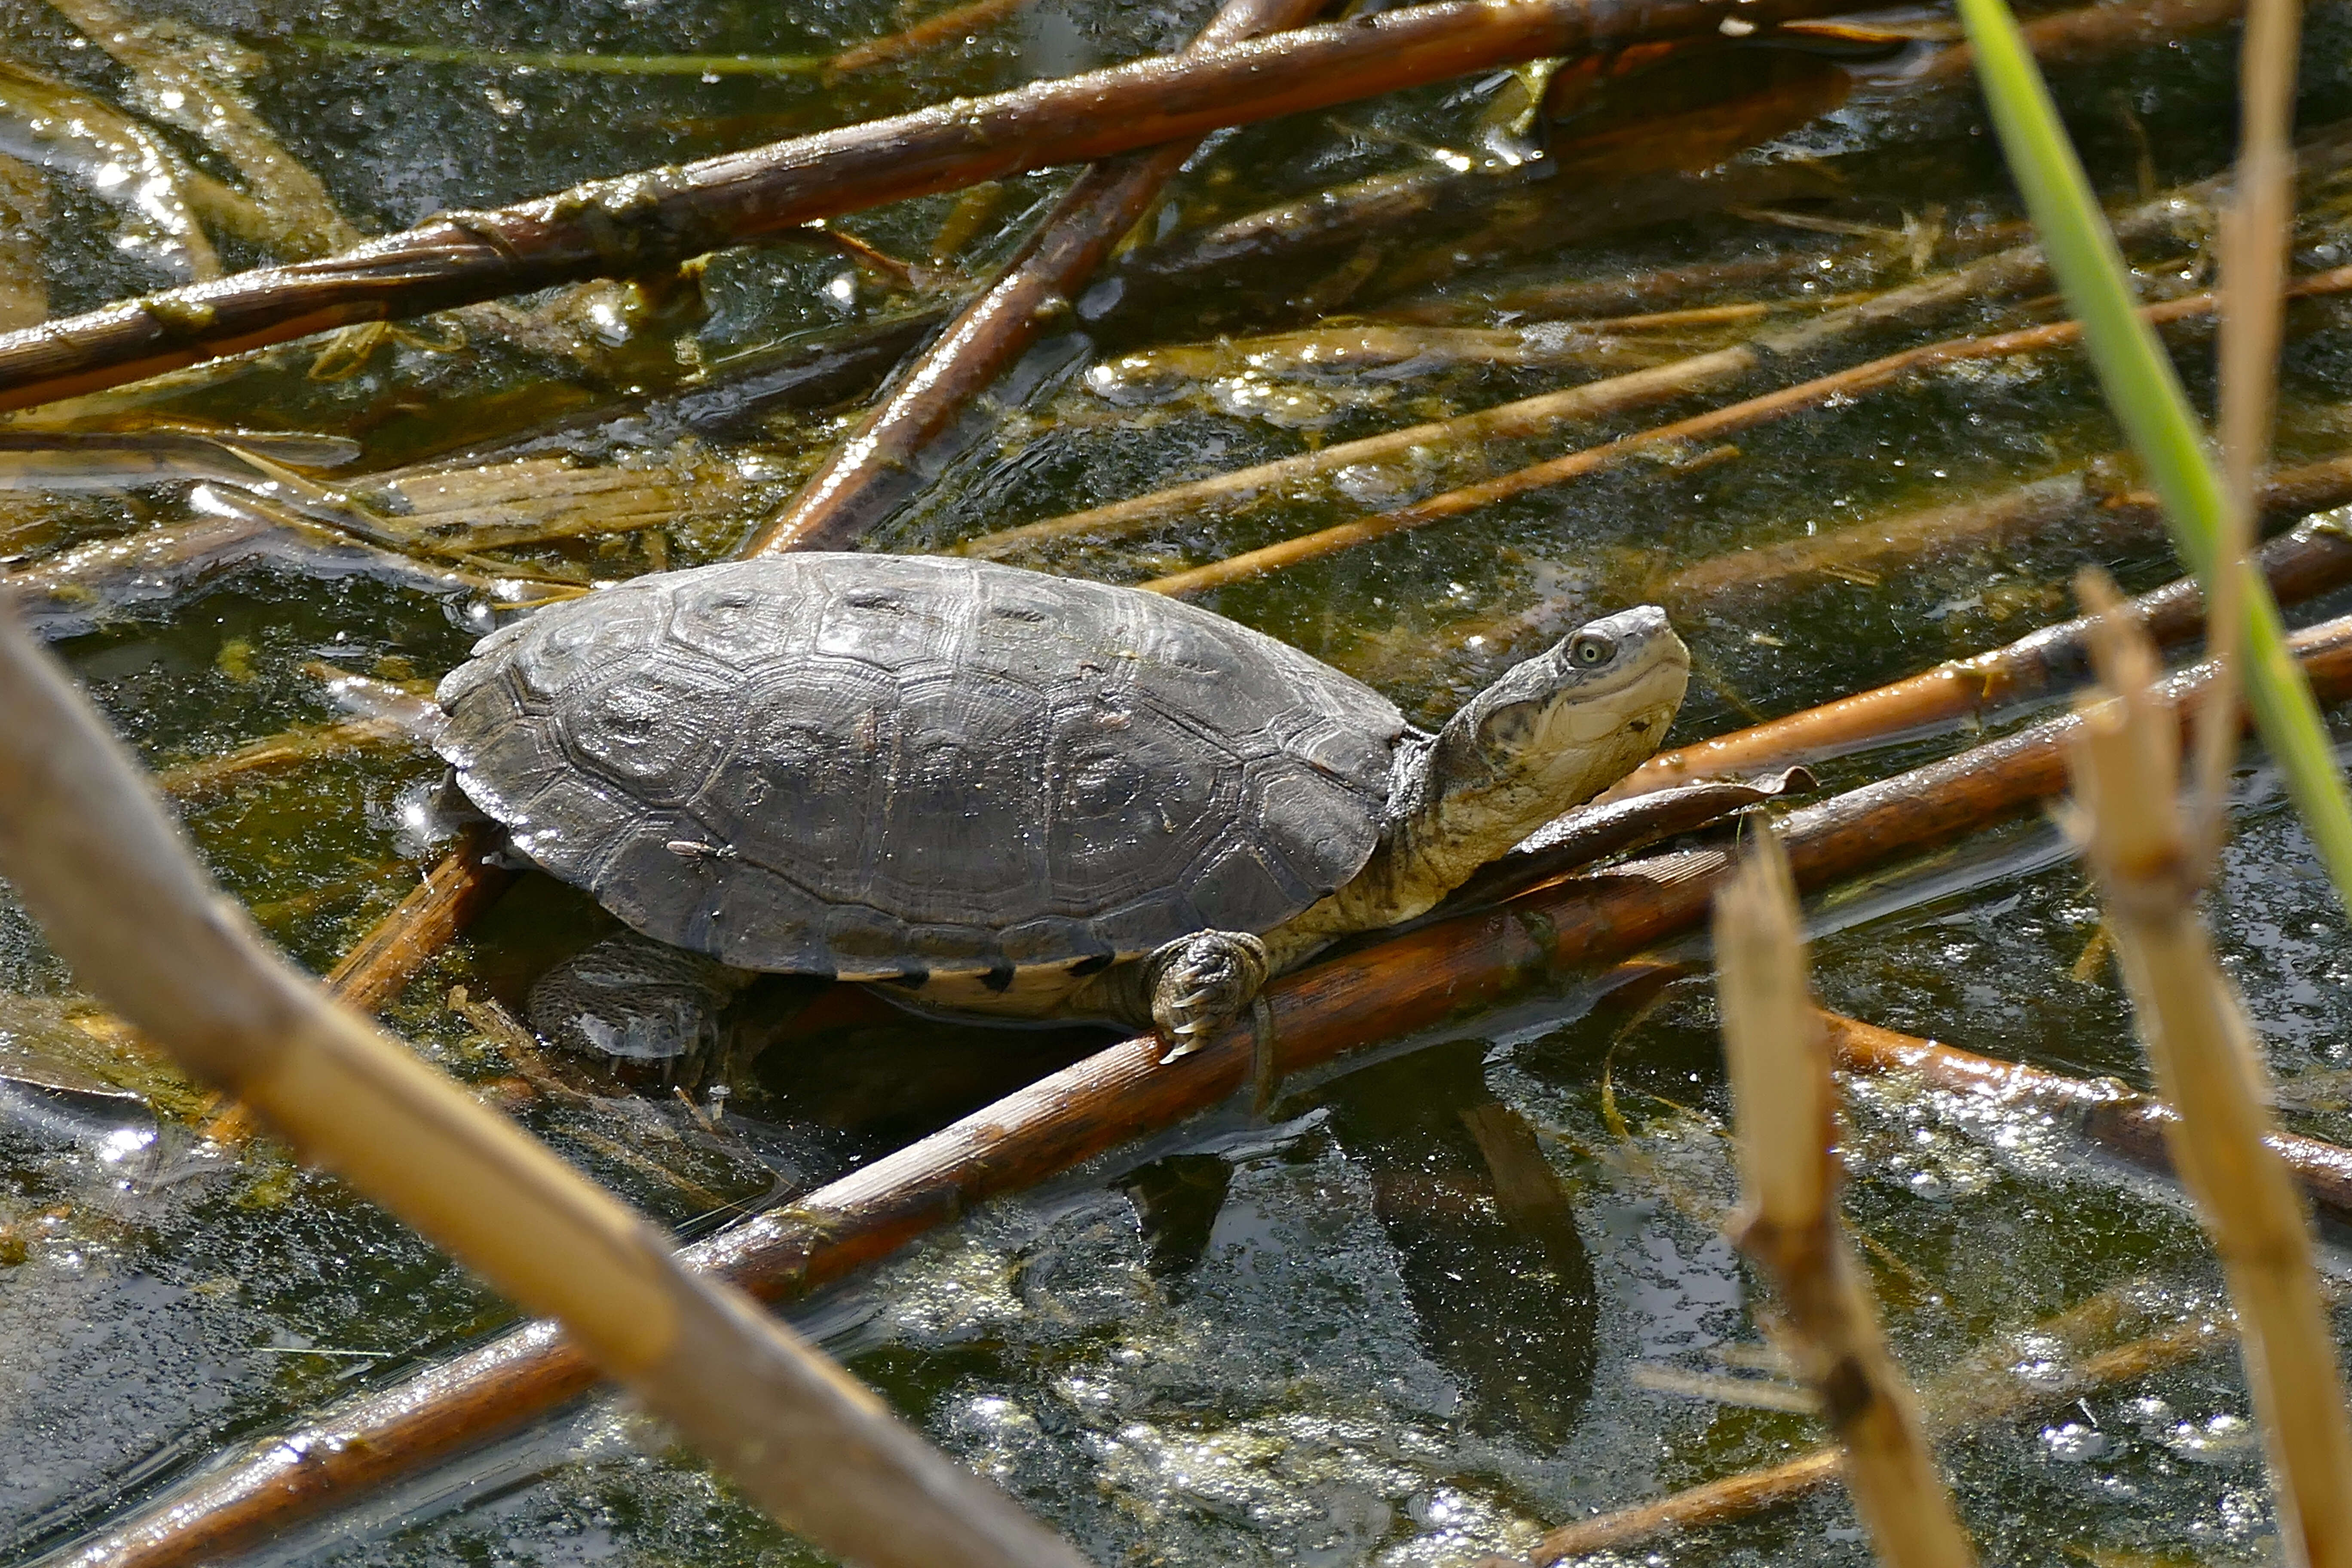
1183	991
1197	984
638	1004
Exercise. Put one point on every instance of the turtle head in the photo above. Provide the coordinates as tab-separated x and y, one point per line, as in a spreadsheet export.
1553	733
1570	721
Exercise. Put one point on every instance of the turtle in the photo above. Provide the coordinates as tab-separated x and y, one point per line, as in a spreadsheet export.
995	794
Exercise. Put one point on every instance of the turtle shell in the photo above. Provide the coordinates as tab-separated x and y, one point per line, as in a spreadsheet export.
879	766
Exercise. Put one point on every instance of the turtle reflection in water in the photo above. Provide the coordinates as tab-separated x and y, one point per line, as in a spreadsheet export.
996	793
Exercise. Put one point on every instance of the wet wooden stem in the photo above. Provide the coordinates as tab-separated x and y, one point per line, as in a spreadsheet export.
847	494
2312	559
1712	426
87	845
467	882
649	221
1407	983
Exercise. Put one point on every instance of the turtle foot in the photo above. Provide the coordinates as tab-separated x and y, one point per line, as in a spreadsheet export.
646	1009
1202	982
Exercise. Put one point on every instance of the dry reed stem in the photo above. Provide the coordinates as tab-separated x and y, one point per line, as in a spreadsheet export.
1506	422
24	221
846	496
2129	1125
2090	33
924	35
1979	1388
87	846
467	880
1409	981
2125	756
2007	271
644	222
2256	229
1786	1101
1712	426
2310	560
305	743
1867	551
1871	377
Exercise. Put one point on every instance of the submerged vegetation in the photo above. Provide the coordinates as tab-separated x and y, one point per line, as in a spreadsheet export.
1743	316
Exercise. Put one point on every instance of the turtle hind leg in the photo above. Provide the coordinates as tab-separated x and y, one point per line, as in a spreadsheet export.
1196	984
649	1009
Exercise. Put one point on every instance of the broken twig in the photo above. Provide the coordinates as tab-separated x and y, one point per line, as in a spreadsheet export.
1408	982
1789	1176
90	849
643	222
845	496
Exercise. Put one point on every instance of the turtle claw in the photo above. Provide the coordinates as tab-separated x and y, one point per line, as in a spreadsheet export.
1201	982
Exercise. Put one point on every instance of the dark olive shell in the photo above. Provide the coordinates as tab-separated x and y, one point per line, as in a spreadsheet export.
878	765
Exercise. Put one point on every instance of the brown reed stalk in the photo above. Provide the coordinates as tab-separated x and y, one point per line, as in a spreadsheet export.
2256	228
2309	560
1712	426
2129	1125
24	222
1788	1223
2088	33
90	849
2125	756
926	33
642	223
1410	981
467	880
2008	272
844	497
2083	501
289	748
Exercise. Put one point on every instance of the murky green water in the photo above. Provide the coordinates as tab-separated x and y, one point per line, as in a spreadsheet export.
1315	1338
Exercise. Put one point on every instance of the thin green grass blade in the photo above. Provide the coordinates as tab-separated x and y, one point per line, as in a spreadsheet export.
2148	402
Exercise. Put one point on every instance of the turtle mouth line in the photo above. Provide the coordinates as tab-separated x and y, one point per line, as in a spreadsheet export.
1643	699
1651	662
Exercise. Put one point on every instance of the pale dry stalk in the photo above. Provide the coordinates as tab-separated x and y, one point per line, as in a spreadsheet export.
1781	1084
1682	434
2125	756
87	846
2004	273
2256	228
849	493
1980	1388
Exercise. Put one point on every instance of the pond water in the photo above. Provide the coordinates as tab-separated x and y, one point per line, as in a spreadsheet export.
1317	1335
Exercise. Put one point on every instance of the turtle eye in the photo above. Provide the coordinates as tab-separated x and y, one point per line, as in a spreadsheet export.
1588	650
